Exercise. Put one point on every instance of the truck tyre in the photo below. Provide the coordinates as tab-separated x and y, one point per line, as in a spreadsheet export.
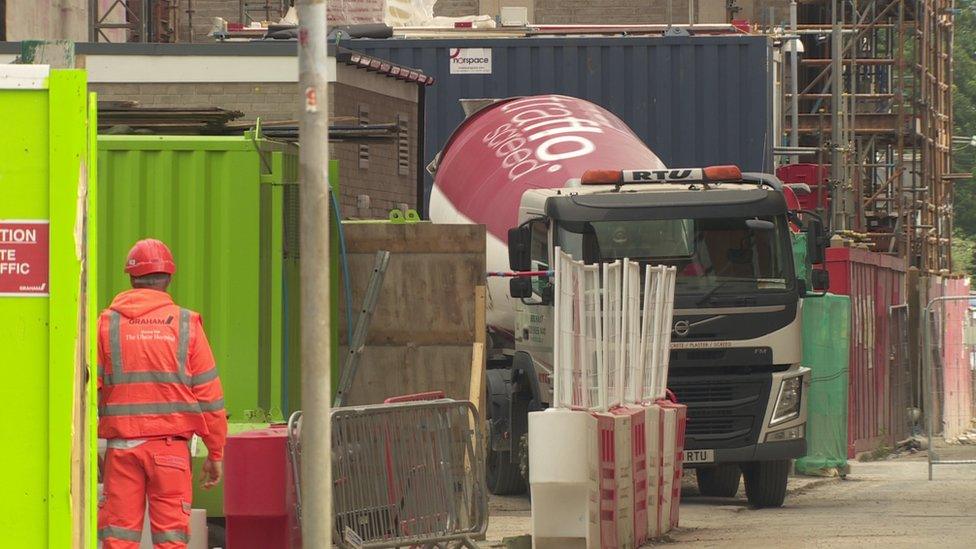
721	481
504	474
766	482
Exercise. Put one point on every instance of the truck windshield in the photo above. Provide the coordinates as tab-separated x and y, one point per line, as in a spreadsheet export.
715	255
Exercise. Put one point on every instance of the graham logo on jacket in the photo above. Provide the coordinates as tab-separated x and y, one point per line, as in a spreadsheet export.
167	320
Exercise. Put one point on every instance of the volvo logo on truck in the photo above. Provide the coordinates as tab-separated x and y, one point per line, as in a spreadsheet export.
681	328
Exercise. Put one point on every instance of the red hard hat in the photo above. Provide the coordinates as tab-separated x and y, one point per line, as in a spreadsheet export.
149	256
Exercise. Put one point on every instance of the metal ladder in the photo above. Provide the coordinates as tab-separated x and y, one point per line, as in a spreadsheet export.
357	340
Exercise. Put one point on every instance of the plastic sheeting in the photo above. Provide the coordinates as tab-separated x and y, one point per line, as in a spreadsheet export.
395	13
826	348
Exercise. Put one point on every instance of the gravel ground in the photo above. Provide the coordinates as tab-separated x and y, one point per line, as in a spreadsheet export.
888	502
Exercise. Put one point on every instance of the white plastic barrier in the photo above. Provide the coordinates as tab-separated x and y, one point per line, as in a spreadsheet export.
563	476
612	327
569	346
665	442
612	455
630	363
612	332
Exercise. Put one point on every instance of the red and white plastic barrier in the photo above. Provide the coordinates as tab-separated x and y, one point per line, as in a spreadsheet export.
605	462
605	479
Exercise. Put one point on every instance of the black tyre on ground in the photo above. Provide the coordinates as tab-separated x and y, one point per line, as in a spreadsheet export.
766	482
504	475
503	472
721	481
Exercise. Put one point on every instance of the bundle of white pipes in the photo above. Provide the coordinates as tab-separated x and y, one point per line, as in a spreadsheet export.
605	461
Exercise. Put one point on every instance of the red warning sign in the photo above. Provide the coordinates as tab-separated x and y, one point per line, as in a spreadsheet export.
24	258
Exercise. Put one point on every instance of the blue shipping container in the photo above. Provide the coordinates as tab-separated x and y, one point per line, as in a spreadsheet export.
695	100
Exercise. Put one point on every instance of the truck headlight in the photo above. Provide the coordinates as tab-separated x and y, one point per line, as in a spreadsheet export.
788	400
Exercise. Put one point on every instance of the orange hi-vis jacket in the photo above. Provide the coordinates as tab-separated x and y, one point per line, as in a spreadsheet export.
156	375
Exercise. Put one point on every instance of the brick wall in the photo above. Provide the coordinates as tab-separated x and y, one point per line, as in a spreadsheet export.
270	101
380	181
455	8
204	12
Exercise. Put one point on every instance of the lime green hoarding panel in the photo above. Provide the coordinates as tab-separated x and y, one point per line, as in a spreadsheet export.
217	201
43	179
291	398
826	346
91	304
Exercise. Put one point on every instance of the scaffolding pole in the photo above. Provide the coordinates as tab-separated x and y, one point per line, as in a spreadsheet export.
841	220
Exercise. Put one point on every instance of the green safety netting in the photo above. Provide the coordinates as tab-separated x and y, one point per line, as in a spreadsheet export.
800	256
826	348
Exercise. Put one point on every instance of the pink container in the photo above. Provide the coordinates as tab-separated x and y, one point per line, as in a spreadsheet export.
954	373
259	493
875	282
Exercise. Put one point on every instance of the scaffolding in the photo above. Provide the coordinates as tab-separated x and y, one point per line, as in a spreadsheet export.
134	20
257	11
875	97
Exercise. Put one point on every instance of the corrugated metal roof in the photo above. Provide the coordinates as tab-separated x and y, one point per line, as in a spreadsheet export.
382	66
694	100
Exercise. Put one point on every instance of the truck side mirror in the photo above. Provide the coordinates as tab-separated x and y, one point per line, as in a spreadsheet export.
815	240
820	280
520	287
520	249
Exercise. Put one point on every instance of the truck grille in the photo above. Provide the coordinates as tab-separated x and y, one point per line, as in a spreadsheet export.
724	426
723	411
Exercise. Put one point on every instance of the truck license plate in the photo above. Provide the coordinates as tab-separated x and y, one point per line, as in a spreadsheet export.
699	456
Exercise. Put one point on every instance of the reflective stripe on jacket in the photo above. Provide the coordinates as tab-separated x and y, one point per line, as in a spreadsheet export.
157	376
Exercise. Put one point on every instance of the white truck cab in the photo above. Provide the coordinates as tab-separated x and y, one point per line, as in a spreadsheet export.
736	340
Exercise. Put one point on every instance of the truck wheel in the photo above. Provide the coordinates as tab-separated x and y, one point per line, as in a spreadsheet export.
766	482
721	481
504	474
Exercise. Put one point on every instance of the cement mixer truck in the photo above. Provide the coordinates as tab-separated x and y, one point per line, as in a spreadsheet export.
547	171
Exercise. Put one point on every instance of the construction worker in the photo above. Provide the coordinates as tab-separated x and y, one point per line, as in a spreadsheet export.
157	387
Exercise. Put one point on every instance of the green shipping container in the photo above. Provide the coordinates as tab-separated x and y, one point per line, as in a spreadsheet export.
227	207
826	347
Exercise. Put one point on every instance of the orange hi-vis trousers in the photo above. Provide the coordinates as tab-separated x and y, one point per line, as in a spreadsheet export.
157	470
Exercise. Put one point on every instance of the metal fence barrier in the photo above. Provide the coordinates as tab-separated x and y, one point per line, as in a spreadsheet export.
405	474
948	358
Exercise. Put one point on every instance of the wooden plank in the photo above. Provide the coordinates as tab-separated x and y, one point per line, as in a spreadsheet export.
479	353
429	320
476	392
387	371
414	238
425	298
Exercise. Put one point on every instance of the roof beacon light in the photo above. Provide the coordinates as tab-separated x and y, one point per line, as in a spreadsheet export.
723	173
602	177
